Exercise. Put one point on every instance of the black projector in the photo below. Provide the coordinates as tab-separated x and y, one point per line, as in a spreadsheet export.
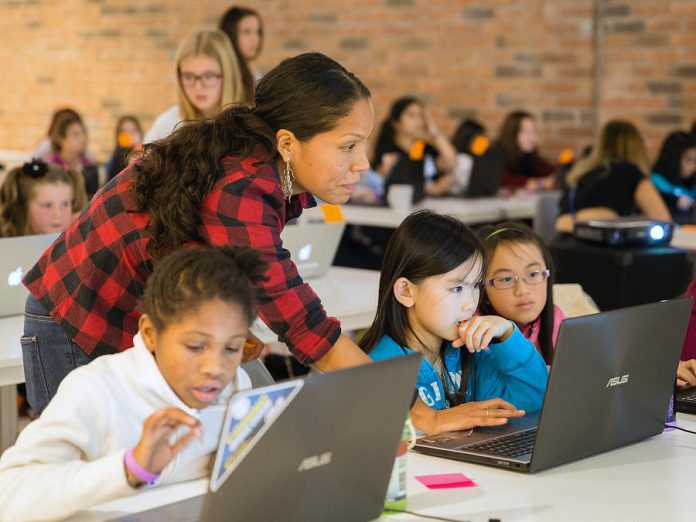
625	231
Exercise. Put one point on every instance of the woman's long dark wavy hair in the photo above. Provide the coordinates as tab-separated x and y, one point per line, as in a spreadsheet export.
307	95
509	233
425	244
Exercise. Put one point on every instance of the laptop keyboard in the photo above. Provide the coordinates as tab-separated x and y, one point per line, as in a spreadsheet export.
689	397
511	446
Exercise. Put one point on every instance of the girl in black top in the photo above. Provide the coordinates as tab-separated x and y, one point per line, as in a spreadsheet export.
612	181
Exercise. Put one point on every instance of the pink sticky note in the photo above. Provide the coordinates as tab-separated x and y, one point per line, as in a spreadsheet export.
446	480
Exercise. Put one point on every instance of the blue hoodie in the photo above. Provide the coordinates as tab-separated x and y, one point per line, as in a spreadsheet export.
512	370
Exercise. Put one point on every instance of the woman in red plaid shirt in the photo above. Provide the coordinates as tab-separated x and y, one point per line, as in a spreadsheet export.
235	179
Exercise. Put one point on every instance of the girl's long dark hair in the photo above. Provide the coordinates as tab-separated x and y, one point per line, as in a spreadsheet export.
385	138
668	163
229	24
516	160
425	244
307	95
507	234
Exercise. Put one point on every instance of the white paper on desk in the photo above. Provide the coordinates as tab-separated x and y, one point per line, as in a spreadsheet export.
249	414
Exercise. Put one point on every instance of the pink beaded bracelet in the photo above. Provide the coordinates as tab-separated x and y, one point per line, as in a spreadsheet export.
137	471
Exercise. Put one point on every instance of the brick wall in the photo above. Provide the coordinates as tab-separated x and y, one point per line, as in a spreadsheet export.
480	58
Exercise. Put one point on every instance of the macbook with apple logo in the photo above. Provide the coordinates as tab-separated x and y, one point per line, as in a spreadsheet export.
19	255
312	246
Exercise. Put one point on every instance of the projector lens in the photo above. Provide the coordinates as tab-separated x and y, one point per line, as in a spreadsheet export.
657	233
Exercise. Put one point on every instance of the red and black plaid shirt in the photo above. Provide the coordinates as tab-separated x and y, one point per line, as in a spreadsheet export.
91	278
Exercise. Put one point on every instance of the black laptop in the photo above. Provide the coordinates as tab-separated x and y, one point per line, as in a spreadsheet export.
685	400
318	449
611	380
486	173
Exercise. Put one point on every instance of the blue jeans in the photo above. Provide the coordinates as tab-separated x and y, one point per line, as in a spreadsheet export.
48	354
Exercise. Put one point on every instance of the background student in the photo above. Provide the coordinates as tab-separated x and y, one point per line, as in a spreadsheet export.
476	370
409	134
133	414
207	78
38	198
69	150
518	141
235	179
519	283
612	181
244	27
674	174
129	137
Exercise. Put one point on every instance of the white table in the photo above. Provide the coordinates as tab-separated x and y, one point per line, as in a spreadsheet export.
469	211
649	481
684	237
349	294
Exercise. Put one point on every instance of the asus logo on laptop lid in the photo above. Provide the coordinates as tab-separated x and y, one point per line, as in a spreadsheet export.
619	379
315	461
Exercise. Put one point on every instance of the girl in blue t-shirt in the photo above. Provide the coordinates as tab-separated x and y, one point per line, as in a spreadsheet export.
428	295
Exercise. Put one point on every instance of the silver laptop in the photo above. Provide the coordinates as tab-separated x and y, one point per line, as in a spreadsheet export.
17	256
611	380
321	448
312	246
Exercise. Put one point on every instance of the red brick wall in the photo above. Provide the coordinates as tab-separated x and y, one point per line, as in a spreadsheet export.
481	58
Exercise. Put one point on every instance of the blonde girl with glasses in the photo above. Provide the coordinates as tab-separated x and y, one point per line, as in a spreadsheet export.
518	283
208	78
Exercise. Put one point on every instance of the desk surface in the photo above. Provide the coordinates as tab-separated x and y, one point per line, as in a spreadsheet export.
470	211
648	481
348	294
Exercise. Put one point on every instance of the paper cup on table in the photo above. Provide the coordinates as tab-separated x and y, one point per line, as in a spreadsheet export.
400	197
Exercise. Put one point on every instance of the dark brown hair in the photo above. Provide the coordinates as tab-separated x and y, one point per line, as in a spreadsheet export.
59	126
307	95
425	244
509	233
229	24
189	277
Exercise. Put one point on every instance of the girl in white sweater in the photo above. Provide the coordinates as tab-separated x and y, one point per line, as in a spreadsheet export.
148	415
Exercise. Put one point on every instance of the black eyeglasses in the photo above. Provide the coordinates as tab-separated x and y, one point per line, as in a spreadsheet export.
535	277
207	79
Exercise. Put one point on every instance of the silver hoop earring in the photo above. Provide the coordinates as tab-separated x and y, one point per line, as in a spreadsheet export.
288	178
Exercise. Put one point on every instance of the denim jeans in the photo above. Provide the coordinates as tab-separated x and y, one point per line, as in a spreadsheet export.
48	354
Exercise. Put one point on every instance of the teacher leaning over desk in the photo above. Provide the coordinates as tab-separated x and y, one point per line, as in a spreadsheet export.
235	179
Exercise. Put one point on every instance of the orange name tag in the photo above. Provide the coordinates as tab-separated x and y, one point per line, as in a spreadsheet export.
332	213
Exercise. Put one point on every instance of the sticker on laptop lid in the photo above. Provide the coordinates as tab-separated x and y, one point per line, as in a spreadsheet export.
249	414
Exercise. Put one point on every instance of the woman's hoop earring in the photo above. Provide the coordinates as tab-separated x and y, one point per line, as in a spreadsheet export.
288	178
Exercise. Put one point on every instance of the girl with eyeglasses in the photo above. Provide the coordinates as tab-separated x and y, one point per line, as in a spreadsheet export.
38	198
208	78
477	370
519	283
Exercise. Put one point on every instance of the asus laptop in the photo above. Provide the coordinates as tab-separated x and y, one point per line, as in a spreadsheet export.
610	383
312	246
322	448
19	255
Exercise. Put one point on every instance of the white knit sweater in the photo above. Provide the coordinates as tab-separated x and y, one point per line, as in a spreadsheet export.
71	458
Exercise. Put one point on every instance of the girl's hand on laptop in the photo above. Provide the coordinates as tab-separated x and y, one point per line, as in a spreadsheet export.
686	373
153	451
493	412
477	333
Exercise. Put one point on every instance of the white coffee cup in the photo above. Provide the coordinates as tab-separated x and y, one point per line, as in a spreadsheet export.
400	197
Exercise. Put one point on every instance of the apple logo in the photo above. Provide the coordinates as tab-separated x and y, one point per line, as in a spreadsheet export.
305	252
15	277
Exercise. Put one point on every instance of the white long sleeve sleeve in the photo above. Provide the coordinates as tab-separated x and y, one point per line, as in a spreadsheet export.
56	467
